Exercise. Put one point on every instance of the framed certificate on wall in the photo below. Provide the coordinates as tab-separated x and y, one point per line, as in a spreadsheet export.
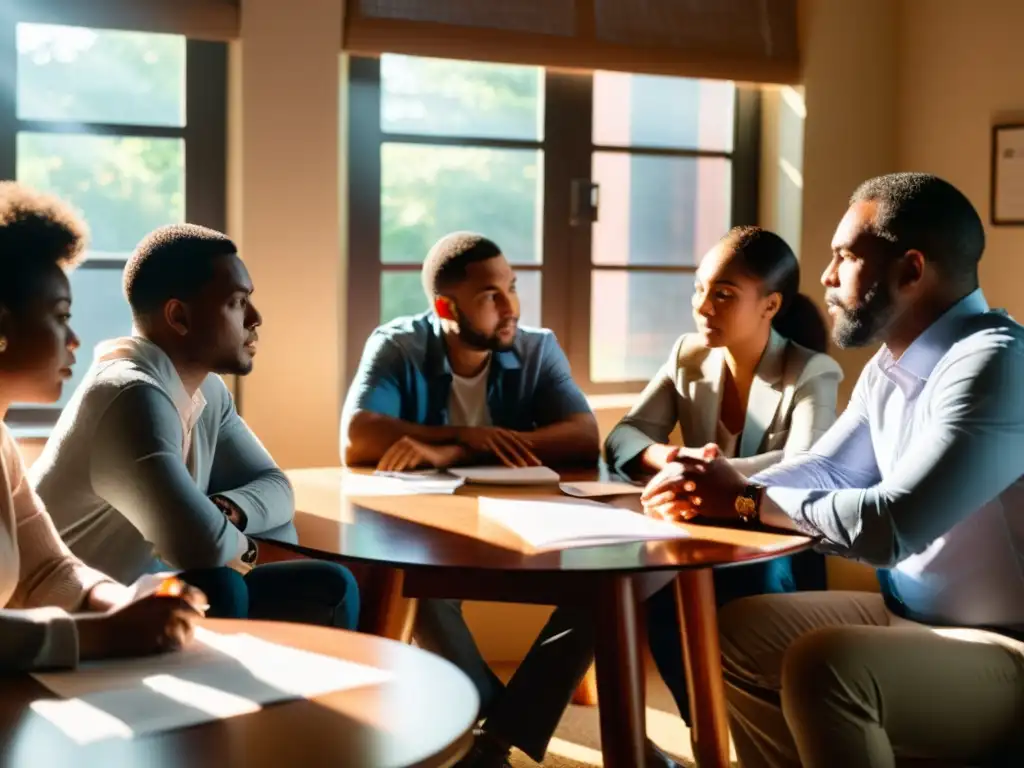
1007	203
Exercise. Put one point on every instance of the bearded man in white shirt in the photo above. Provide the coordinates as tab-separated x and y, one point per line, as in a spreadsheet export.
920	477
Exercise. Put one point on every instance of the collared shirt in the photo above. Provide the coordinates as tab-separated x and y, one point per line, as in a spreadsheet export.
921	474
404	373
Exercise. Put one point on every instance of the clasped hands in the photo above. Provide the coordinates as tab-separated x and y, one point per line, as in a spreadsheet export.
697	482
513	449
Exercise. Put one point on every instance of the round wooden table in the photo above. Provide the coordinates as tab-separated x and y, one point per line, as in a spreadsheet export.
438	546
422	715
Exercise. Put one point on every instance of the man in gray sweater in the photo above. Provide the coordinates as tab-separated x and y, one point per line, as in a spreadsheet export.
150	466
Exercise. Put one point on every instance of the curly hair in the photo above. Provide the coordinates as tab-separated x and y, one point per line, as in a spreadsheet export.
37	231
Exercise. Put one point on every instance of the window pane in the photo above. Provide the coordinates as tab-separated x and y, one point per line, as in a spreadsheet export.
659	210
634	319
100	76
124	186
669	112
99	311
401	293
439	97
427	192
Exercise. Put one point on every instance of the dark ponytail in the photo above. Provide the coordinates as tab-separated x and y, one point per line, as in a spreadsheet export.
801	321
769	258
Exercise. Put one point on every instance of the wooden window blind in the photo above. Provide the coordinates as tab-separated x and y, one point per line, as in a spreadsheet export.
744	40
217	20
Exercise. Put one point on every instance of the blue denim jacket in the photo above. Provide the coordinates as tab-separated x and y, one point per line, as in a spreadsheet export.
404	373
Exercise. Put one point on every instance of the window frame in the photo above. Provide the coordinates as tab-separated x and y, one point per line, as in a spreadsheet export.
205	147
568	115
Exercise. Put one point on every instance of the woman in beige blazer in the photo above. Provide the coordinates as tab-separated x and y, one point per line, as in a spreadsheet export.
54	610
752	379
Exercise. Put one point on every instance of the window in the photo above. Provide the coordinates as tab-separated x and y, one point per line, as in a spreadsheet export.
451	146
129	127
602	189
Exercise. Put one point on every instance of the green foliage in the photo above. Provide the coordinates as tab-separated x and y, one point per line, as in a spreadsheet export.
428	191
124	186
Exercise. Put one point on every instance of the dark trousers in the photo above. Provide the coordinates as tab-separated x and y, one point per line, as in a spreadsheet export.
526	712
306	592
802	572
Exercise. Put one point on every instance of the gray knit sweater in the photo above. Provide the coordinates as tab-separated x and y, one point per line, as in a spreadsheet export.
129	469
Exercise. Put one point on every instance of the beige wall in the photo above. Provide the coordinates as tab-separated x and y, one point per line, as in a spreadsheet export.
850	91
962	69
284	202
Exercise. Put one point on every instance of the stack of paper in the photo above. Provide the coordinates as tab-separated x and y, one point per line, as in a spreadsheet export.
558	523
447	481
506	475
216	677
402	483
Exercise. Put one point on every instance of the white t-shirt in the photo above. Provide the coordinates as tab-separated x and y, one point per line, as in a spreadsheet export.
467	403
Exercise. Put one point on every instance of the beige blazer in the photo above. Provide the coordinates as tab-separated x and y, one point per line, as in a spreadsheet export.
792	403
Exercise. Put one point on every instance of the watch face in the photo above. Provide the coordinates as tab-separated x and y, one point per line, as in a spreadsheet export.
745	506
250	555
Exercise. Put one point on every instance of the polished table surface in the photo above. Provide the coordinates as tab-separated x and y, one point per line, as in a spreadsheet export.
438	546
422	716
337	514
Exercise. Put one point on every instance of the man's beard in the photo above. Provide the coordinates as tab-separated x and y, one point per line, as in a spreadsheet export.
471	337
863	324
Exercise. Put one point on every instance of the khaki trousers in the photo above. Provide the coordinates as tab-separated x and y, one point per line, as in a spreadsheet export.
833	679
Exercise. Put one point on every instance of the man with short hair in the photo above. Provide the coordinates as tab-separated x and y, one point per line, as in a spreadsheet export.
921	476
463	383
150	466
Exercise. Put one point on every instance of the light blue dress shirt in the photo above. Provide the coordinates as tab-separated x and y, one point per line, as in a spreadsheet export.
921	476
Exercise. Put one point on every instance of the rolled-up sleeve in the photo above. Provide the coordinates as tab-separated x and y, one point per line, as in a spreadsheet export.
965	453
557	395
376	386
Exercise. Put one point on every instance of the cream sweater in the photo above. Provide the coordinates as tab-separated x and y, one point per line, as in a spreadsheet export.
40	580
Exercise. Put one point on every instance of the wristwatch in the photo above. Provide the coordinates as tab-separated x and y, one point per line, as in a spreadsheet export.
249	556
748	503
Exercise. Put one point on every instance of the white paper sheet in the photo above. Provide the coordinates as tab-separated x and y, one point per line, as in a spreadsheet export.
596	490
217	676
402	484
506	475
558	523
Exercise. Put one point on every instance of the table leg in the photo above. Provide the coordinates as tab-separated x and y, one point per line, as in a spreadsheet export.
620	682
385	612
698	619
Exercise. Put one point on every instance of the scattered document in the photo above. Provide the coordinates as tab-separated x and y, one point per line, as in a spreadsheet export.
596	490
216	677
558	523
506	475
